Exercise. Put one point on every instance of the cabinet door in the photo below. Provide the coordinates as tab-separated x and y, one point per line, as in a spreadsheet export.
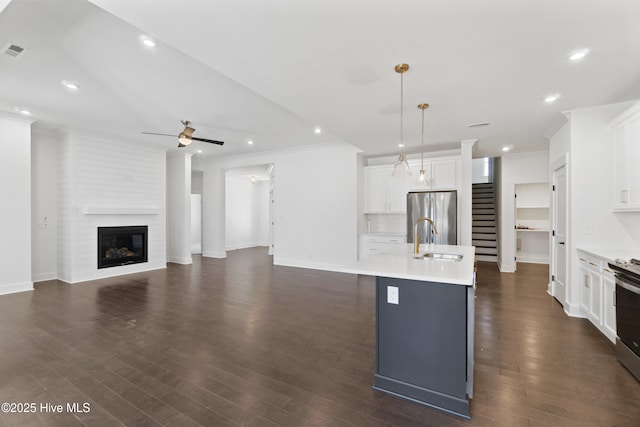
397	189
585	292
375	189
620	166
595	309
609	305
633	158
443	175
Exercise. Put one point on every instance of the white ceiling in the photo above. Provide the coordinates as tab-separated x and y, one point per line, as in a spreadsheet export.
271	71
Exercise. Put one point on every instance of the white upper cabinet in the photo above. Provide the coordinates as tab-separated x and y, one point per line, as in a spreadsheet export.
440	175
382	194
626	134
386	195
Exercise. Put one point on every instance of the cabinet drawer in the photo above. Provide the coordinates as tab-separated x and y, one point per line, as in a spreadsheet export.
590	263
383	239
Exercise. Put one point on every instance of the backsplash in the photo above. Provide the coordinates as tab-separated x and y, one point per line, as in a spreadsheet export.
386	223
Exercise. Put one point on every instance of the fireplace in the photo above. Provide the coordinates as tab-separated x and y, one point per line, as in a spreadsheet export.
122	245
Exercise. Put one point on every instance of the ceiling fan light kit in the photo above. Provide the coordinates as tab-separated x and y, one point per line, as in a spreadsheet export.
186	136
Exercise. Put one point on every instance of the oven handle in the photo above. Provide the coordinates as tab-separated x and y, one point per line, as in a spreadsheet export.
620	281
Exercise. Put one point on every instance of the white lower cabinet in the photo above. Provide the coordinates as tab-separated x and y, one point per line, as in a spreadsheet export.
597	293
374	244
609	303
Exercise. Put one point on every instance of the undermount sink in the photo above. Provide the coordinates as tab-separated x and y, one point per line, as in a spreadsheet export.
440	256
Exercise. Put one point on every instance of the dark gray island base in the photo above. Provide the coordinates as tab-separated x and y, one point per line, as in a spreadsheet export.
424	349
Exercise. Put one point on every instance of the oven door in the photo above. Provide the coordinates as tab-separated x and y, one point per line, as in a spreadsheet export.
628	312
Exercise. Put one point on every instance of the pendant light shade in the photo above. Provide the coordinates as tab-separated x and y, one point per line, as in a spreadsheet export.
401	168
422	178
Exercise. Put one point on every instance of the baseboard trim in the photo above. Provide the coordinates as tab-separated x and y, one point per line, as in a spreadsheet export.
42	277
178	260
214	254
13	288
573	310
243	246
122	271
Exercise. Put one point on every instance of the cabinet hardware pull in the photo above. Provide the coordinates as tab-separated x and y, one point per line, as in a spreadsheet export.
595	265
614	297
607	270
582	259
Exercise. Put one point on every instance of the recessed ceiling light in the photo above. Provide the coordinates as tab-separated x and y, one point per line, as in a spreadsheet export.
199	151
550	99
148	41
400	145
578	54
317	130
70	85
506	148
23	111
250	142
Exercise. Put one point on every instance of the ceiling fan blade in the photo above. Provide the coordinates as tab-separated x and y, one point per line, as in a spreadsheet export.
163	134
207	140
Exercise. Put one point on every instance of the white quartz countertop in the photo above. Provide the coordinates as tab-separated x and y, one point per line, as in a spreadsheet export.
611	254
399	263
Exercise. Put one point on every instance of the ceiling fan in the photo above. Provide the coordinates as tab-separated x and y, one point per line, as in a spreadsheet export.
185	137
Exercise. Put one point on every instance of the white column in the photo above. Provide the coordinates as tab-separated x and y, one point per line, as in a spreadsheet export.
466	177
213	211
179	207
15	193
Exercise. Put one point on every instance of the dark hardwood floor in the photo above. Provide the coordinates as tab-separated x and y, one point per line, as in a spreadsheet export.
241	342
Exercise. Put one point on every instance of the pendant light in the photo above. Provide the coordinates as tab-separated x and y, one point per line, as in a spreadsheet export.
401	168
422	177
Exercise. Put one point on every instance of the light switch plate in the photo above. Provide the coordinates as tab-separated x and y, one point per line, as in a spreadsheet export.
393	295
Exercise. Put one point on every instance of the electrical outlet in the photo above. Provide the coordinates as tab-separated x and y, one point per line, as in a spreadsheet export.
393	295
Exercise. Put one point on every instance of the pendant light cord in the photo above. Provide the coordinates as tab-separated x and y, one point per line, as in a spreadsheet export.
401	111
422	144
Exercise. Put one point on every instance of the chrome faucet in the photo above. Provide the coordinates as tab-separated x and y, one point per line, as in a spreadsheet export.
415	232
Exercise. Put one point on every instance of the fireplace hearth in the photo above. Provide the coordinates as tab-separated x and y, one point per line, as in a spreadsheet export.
122	245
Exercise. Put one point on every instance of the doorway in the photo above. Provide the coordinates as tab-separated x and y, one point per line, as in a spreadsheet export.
197	179
249	207
559	234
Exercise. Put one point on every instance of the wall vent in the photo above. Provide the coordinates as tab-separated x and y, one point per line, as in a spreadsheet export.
477	125
13	50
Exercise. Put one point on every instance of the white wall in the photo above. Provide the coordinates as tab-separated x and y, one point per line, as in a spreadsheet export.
107	182
196	179
246	212
478	171
315	210
516	169
44	205
15	215
588	140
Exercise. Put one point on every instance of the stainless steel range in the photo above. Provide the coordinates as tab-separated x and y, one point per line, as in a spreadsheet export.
628	314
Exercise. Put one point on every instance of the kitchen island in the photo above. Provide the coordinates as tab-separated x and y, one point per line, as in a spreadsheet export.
424	324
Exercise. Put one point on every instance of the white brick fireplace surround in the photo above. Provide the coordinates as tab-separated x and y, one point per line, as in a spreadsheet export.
103	183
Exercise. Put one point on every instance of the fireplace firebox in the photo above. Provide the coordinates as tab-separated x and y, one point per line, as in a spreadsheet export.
122	245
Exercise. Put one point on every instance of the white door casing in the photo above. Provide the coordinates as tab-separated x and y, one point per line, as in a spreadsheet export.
559	238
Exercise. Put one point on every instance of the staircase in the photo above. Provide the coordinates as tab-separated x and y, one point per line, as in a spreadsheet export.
483	212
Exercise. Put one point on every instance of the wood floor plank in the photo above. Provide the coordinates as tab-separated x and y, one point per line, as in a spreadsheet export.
238	341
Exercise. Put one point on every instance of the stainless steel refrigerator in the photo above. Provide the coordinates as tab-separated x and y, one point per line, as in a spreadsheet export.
441	207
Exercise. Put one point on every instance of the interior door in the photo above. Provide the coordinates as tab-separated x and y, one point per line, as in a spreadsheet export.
559	236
